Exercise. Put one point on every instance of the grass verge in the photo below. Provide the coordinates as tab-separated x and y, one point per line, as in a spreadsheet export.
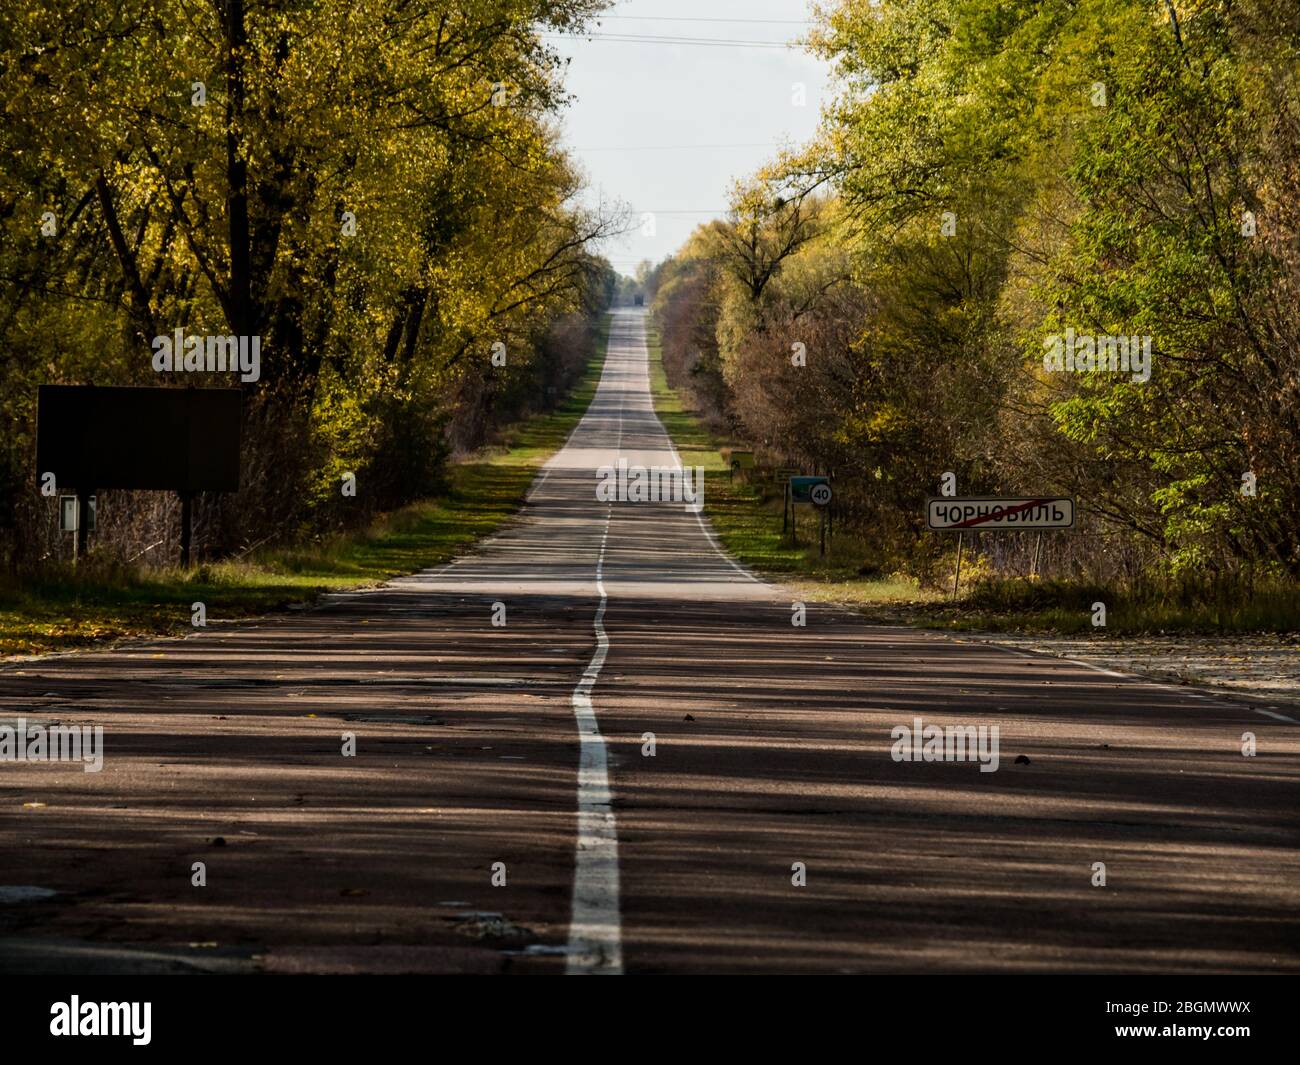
65	610
1068	608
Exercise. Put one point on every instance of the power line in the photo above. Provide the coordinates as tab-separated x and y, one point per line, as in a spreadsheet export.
666	38
671	147
632	38
692	18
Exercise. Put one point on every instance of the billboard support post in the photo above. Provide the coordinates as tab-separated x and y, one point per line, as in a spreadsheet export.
83	523
187	527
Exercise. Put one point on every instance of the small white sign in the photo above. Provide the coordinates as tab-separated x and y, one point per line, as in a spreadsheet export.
68	513
979	513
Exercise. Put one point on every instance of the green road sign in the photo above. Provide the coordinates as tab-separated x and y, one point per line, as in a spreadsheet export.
815	490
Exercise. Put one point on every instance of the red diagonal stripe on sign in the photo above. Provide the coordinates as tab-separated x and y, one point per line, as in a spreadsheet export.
1005	511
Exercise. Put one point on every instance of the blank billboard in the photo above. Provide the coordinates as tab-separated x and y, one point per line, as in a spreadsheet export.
172	439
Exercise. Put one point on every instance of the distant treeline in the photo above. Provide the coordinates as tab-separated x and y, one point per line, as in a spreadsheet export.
1048	247
373	189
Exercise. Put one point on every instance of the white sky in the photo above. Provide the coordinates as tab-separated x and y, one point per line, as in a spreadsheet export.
667	127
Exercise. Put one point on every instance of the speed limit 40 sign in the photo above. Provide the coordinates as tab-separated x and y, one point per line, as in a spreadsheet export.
814	490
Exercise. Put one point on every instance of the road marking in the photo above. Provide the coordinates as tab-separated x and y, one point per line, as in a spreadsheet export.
546	471
1097	669
477	549
595	926
672	449
1214	699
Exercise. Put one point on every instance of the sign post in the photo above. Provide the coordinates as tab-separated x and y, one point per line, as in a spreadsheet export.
814	490
956	576
70	510
183	440
985	513
819	495
783	474
737	459
77	516
996	514
80	537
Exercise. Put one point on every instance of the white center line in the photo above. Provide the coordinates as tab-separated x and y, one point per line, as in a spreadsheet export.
705	527
595	928
595	925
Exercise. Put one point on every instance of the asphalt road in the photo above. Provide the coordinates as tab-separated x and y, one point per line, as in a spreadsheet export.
519	753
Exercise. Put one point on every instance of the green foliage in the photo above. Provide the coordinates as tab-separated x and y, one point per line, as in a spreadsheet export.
60	608
374	188
992	175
